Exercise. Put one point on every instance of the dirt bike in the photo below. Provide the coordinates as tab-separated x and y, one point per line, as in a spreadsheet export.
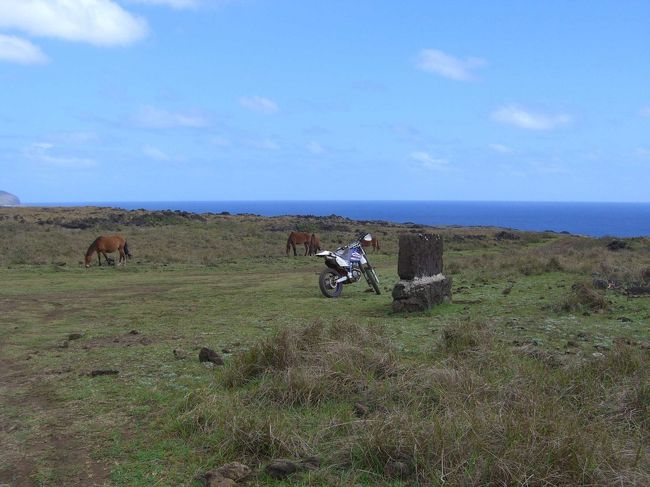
344	266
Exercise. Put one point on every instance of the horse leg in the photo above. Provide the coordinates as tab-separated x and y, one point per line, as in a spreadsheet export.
122	258
99	258
293	246
306	248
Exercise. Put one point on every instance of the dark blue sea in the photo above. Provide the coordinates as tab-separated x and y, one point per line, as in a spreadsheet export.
593	219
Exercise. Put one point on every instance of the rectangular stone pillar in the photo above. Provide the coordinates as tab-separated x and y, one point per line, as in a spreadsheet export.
419	266
420	255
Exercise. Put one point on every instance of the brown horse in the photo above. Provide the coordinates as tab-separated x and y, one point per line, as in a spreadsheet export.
374	242
107	245
314	244
298	238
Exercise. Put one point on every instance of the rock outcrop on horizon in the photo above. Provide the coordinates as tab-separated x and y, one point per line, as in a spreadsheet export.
8	199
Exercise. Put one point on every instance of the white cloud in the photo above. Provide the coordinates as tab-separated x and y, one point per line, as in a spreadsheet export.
99	22
177	4
42	152
426	160
435	61
315	148
258	104
503	149
155	118
155	153
519	117
17	50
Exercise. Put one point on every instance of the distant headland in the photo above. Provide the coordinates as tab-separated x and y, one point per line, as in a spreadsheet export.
8	199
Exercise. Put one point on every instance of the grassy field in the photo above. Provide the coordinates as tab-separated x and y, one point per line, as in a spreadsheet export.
531	376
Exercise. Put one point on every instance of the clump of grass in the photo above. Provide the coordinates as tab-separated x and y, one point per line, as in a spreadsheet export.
315	363
496	417
464	338
584	298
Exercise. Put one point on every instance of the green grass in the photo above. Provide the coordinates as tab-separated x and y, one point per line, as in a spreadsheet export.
492	388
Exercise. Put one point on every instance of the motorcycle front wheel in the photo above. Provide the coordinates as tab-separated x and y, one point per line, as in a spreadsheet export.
371	277
328	285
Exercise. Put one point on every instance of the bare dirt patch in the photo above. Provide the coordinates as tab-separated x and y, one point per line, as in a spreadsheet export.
39	434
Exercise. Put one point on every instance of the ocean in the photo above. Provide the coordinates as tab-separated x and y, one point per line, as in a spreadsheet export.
593	219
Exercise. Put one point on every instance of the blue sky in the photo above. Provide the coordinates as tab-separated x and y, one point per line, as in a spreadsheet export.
134	100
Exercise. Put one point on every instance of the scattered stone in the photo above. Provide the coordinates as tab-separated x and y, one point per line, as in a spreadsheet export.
235	471
361	410
503	235
397	470
506	291
572	344
98	372
581	335
615	245
75	336
281	468
625	319
180	354
602	346
64	344
209	355
226	350
215	479
637	290
597	355
134	332
422	293
600	283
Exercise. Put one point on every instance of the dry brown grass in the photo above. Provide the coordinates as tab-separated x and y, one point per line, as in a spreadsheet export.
478	413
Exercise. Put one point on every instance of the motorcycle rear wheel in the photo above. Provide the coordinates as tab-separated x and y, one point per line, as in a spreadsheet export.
371	277
328	285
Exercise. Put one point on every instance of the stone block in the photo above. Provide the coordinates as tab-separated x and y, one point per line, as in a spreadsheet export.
421	294
420	255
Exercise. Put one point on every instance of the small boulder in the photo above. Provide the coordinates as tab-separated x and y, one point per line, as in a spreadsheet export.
180	354
215	479
235	471
625	319
209	355
75	336
615	245
64	344
281	468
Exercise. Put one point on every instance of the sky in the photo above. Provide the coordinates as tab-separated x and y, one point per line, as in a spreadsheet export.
164	100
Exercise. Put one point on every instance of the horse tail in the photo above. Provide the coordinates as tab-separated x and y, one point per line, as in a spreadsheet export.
289	242
312	244
377	242
126	250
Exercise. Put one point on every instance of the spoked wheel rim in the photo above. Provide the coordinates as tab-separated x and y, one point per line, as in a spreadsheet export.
328	285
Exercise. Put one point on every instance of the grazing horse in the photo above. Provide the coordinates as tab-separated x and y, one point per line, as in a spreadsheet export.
106	245
314	244
298	238
374	242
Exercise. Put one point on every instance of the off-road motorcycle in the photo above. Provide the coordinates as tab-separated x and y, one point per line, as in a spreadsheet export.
346	265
